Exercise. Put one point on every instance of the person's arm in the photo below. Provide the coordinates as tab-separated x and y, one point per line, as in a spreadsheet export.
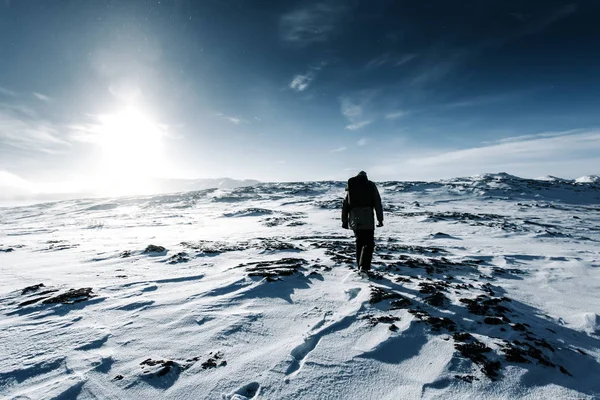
345	211
378	206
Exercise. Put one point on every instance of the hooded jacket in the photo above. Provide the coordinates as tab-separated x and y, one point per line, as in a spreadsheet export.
361	198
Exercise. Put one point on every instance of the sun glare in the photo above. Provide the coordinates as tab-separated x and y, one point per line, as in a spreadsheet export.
132	152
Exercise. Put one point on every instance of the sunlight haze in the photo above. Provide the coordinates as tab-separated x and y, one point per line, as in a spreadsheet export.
106	96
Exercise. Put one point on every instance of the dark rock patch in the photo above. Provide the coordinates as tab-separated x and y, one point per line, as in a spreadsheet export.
283	219
401	303
273	270
393	247
296	223
437	299
507	271
485	305
436	323
475	351
439	323
210	247
378	294
58	245
493	321
382	319
71	296
462	337
181	257
432	287
163	367
154	249
516	352
249	212
466	378
215	360
32	288
264	244
441	235
564	370
519	327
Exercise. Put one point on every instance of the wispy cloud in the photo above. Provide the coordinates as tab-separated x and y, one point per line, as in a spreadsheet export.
480	100
311	24
339	149
435	71
535	136
7	92
353	108
539	24
438	63
539	154
358	125
350	109
391	59
300	82
41	97
30	134
396	114
233	120
362	141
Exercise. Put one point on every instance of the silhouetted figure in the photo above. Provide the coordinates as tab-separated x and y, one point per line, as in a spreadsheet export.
361	198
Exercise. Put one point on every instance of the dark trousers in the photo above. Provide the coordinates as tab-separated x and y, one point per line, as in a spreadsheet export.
365	244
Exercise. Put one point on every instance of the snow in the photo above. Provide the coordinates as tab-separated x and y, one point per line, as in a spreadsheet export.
484	287
588	179
553	178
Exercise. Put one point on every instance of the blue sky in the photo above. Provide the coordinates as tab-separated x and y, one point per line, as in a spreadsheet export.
105	91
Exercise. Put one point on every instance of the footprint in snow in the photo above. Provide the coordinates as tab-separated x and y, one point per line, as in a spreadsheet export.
352	293
246	392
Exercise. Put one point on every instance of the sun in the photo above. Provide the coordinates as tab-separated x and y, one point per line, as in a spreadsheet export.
132	151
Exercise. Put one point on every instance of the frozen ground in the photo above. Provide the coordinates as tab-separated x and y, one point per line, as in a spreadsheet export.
484	287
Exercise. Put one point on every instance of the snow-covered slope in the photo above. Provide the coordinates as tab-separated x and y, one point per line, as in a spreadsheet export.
484	287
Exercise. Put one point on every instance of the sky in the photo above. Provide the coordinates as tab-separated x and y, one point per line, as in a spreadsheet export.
113	93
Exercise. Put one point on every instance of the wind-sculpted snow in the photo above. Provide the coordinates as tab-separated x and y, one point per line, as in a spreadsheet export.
482	287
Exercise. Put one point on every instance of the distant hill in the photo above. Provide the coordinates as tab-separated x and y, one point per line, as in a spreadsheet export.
11	195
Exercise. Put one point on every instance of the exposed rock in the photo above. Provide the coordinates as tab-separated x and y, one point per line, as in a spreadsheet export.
274	269
378	294
436	323
403	302
466	378
437	299
215	360
154	249
164	366
485	305
71	296
32	288
462	337
181	257
493	321
384	319
475	351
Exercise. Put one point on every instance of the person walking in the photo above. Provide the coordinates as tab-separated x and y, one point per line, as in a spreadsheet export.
362	197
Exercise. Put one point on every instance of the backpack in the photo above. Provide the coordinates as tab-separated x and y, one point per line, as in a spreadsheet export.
360	192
